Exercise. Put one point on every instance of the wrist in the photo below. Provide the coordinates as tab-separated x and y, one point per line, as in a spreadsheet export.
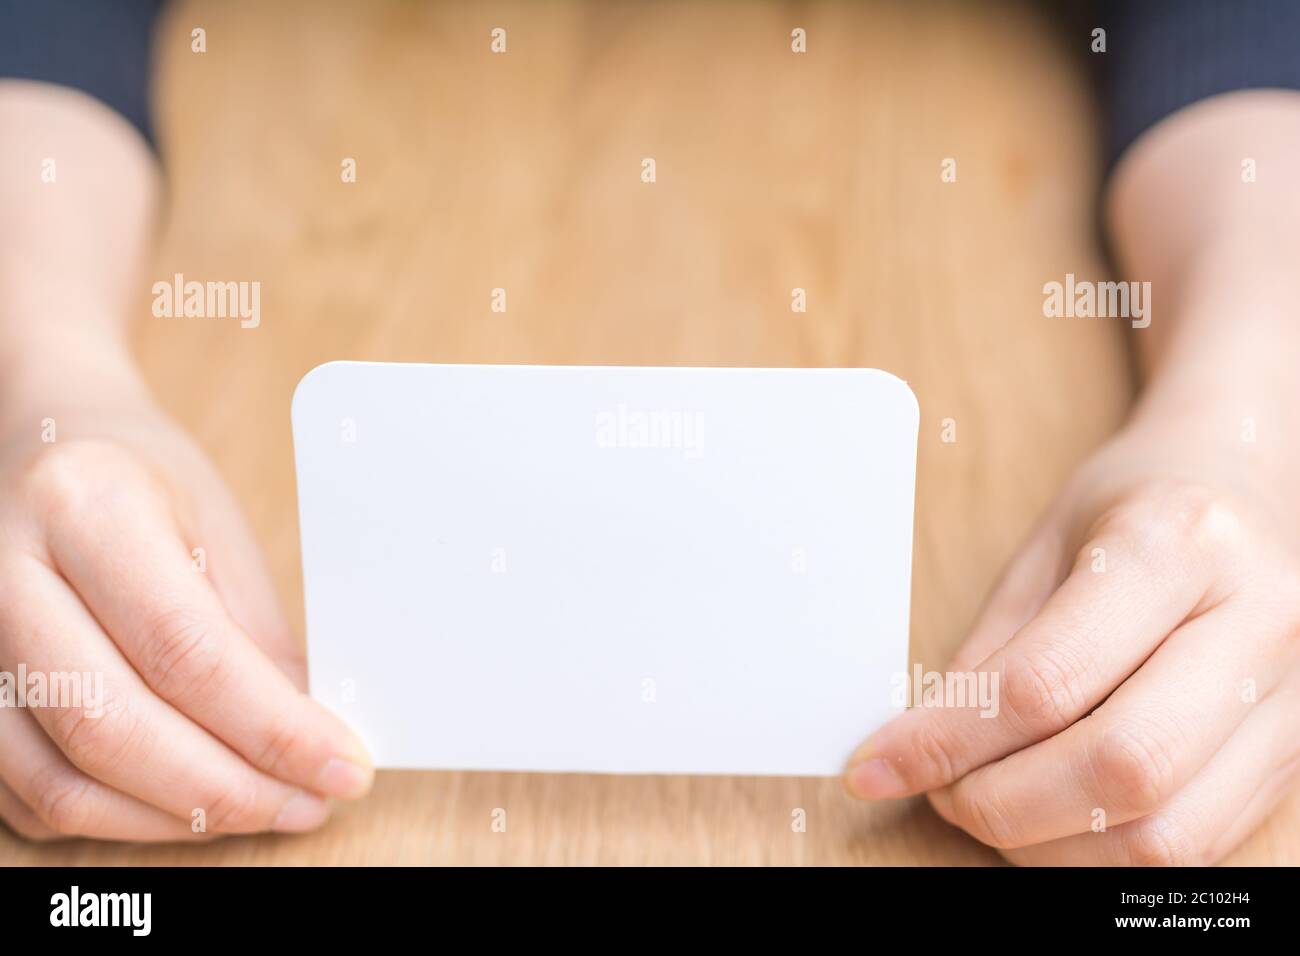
1219	363
1237	437
58	369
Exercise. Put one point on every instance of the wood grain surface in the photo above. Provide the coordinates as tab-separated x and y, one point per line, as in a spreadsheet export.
521	171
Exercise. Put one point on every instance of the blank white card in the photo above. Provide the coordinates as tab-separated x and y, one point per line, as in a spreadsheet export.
615	570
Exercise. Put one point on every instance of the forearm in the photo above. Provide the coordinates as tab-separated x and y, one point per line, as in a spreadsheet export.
79	191
1222	254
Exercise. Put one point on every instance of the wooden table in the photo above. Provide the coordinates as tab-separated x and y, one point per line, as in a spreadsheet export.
522	171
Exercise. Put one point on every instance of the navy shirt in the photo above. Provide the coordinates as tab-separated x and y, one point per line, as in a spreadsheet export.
1161	55
102	47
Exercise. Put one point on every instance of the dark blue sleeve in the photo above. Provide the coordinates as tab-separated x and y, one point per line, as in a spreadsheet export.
102	47
1162	55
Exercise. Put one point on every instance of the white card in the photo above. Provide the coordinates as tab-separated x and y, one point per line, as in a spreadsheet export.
614	570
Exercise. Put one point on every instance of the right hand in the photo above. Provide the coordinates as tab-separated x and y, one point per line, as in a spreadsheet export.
203	727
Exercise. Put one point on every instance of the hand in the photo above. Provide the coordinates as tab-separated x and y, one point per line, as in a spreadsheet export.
1145	645
203	724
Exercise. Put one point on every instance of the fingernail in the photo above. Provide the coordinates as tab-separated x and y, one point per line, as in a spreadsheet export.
874	779
344	778
302	812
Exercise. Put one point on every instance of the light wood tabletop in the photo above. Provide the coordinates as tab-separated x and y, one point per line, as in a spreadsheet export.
522	170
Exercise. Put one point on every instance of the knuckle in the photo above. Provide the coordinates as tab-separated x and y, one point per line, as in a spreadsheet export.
981	814
1210	521
1173	513
96	739
1041	689
184	656
937	762
1159	841
1135	770
64	478
236	811
61	800
1135	538
284	739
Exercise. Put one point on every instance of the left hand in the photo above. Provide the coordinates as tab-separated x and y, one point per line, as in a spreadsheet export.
1145	643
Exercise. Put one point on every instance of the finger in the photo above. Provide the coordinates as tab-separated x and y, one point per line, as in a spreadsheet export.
61	801
219	541
120	733
1024	586
135	575
19	818
1221	805
1092	633
1141	746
